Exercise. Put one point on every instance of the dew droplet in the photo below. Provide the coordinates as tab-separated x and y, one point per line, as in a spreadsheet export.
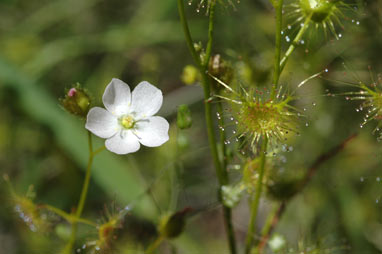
306	124
362	179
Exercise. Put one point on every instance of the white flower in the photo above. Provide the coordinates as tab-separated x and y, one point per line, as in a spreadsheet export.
128	120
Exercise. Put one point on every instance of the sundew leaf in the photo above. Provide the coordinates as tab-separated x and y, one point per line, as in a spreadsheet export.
119	178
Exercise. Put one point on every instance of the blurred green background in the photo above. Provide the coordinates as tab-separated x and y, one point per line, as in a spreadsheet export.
46	46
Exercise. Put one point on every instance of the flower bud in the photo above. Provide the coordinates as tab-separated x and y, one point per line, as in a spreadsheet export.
76	101
184	119
190	75
173	226
198	46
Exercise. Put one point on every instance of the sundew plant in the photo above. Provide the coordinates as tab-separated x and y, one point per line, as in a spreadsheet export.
191	126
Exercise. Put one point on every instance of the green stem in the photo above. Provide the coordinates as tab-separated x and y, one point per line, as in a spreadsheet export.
210	34
154	245
256	200
68	217
187	33
295	42
203	68
85	187
268	222
279	23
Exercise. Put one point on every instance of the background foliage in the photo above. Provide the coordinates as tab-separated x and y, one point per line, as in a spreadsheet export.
46	46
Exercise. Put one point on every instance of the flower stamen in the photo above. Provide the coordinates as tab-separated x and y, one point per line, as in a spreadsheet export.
127	121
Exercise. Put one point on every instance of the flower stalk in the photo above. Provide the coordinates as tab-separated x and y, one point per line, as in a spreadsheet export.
279	23
295	42
203	68
256	200
155	245
81	202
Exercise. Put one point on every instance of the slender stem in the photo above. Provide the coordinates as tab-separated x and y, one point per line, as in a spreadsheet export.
227	212
85	186
256	200
203	67
268	222
154	245
279	23
68	217
187	33
306	180
269	229
84	192
295	42
210	34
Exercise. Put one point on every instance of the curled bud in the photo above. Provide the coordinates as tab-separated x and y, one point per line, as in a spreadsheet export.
173	225
184	119
76	101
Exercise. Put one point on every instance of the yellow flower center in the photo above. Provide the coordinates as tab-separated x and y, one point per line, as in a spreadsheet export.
127	121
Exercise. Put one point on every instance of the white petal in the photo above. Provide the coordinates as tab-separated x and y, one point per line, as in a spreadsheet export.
101	122
117	97
123	142
152	131
146	100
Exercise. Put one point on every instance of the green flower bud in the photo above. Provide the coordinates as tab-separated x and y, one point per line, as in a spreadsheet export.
198	46
190	75
184	119
172	226
76	101
182	140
